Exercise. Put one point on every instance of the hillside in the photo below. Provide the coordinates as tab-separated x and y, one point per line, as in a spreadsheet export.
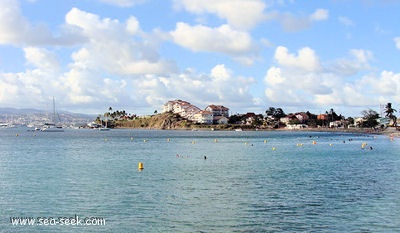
159	121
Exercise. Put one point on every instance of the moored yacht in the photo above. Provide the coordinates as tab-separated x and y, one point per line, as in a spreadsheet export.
52	127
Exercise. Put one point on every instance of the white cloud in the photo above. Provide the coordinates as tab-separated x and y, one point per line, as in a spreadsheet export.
386	85
11	23
242	14
220	86
358	60
101	71
223	39
319	15
39	57
35	85
303	80
132	25
345	21
17	30
306	59
124	55
397	42
293	23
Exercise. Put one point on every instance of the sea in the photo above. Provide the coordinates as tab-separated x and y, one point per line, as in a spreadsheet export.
83	180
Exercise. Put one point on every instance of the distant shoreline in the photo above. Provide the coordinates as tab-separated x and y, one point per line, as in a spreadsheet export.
390	131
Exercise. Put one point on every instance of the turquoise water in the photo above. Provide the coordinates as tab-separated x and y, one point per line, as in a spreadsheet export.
244	185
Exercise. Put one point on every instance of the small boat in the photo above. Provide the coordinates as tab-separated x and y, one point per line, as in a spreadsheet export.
104	128
52	127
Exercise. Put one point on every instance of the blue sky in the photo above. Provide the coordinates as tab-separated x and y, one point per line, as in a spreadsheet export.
247	55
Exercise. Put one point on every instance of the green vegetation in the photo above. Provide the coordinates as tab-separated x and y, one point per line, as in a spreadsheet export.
390	113
275	118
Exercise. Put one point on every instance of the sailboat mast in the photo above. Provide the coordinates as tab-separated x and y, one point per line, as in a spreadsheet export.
54	111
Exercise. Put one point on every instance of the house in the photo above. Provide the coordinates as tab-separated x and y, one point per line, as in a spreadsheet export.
358	121
213	114
289	118
250	117
218	110
335	124
203	117
220	120
323	117
183	108
302	117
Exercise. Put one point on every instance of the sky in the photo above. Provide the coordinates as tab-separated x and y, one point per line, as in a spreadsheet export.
247	55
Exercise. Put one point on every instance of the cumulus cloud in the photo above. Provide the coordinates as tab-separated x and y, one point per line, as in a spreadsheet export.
119	65
302	80
16	30
319	14
356	61
293	23
219	86
242	14
124	54
32	87
223	39
306	59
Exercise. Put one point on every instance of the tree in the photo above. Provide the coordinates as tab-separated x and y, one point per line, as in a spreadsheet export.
276	113
390	113
333	116
270	111
370	118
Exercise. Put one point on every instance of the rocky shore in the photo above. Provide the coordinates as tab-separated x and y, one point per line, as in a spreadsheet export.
170	121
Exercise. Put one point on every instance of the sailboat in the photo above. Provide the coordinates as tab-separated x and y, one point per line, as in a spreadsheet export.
104	128
52	127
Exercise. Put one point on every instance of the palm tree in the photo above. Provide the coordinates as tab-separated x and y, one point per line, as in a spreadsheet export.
389	113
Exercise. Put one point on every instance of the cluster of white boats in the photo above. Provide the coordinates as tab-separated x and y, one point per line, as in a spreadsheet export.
53	125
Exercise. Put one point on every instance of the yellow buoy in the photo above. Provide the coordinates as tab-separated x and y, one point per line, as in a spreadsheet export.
330	144
131	138
193	142
215	140
273	148
144	140
16	135
140	166
265	141
168	139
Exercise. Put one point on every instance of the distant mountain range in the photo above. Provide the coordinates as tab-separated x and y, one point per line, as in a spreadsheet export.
30	115
20	111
